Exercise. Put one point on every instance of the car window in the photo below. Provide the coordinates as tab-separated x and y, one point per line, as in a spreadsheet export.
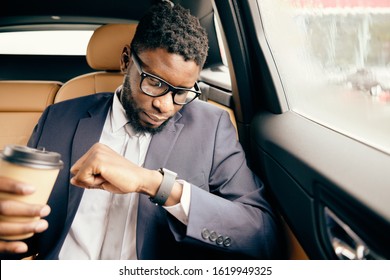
220	41
333	62
50	42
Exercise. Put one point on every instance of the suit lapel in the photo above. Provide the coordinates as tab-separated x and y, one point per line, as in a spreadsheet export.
87	133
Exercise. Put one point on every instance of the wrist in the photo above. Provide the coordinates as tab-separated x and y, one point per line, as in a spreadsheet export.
175	196
151	183
165	189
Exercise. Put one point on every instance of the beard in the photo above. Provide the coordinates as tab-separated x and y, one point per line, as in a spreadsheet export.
133	112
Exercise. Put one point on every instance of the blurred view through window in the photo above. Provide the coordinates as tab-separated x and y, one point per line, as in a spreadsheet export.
46	42
333	59
350	39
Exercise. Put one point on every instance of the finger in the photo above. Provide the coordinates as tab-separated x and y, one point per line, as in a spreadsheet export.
77	165
17	208
12	186
12	229
16	247
101	184
96	148
89	172
81	161
93	182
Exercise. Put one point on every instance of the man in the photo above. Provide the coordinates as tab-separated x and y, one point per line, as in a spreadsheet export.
156	173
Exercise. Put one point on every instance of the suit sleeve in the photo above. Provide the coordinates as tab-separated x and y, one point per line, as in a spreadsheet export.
234	216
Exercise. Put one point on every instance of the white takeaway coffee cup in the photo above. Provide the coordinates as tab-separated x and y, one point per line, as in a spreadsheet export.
36	167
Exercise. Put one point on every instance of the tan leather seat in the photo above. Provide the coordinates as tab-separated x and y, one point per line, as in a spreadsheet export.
103	54
21	105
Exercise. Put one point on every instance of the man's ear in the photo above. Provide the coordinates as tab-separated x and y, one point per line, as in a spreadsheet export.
125	59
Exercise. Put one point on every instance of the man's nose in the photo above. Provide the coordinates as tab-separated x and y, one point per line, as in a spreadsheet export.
164	103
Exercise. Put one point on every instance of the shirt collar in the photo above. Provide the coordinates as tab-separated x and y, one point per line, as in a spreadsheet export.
118	114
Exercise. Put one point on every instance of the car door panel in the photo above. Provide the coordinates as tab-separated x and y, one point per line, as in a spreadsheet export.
309	169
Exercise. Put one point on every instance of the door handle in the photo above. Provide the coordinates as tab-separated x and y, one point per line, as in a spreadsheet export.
346	244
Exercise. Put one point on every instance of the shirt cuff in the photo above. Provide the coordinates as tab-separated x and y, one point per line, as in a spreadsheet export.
180	210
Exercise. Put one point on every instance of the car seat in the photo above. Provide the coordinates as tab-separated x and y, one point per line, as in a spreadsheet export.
21	105
103	54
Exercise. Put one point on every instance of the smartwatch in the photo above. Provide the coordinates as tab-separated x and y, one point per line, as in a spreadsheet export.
169	178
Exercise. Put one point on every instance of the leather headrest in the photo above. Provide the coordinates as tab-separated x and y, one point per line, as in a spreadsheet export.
106	45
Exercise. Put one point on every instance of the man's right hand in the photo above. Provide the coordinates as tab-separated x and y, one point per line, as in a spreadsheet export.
15	208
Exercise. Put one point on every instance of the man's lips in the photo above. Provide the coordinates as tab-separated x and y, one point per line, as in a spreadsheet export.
155	119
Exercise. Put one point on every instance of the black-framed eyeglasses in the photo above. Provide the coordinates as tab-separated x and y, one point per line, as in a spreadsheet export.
155	86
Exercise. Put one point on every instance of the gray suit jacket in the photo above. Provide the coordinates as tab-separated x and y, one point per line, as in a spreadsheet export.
228	216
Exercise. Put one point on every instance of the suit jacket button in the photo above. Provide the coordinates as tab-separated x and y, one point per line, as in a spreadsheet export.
213	236
205	233
219	240
227	242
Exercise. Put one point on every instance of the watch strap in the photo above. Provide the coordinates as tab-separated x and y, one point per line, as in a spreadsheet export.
163	192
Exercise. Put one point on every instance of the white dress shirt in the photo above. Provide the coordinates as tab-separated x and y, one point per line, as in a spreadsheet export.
89	228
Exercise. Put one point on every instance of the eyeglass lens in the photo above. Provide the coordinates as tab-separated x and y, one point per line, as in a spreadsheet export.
156	87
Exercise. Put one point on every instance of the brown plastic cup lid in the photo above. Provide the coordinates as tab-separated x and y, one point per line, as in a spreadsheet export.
35	158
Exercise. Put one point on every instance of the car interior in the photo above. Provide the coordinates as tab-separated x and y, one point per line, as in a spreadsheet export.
237	68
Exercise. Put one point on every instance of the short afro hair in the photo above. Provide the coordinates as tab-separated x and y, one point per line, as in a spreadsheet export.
174	29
